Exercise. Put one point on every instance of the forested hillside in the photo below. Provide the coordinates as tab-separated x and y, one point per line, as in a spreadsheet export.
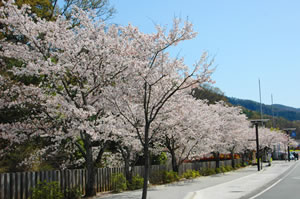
284	116
286	112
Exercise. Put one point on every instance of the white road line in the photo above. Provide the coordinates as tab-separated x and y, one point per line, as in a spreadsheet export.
291	171
266	189
260	193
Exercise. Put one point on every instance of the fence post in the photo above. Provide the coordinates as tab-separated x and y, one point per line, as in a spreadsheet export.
101	179
1	186
84	180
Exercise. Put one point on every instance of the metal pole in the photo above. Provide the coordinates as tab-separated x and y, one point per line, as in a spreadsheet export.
273	123
289	158
257	147
261	114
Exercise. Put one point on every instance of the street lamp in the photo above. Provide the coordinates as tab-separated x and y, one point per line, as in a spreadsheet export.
287	130
256	122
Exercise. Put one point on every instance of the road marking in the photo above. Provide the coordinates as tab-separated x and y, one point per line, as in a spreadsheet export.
290	171
266	189
260	193
296	178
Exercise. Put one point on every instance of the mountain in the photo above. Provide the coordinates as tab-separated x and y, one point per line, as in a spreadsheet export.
284	116
288	108
289	113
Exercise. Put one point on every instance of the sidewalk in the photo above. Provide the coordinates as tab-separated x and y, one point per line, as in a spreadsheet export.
232	185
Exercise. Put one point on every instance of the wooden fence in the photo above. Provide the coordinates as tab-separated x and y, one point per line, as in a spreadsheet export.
19	185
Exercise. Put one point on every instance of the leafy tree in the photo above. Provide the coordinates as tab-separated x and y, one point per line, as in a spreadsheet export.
102	8
42	8
210	93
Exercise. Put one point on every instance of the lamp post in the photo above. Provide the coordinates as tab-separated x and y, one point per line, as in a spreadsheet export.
287	130
256	122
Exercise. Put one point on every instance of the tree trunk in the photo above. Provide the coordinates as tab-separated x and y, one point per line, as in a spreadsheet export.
128	173
232	160
175	166
146	167
217	158
90	189
243	158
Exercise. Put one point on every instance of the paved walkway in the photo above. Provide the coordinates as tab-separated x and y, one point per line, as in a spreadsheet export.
232	185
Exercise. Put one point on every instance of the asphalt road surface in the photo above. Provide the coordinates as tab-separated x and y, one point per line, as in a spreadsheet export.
286	187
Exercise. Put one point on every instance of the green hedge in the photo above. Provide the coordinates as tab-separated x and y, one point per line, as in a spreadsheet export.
51	190
119	182
162	177
190	174
137	183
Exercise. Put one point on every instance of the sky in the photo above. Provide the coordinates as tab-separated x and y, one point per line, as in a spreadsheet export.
248	39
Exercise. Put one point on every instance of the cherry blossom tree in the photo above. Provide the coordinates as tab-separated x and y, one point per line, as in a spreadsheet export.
184	128
74	65
153	80
216	134
230	130
237	136
276	137
249	143
268	138
83	70
128	146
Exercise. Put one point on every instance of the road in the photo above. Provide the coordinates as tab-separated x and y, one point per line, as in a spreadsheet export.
239	184
286	187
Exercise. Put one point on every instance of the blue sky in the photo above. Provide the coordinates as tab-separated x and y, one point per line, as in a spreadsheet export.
250	39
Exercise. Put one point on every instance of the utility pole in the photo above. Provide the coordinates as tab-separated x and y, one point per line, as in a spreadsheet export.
255	122
261	115
273	123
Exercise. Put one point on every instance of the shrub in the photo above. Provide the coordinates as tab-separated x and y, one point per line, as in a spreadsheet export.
156	177
190	174
47	190
238	166
207	171
228	168
170	176
164	177
73	193
223	169
218	170
119	181
137	183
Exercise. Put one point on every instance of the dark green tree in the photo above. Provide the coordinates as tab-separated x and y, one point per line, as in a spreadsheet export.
210	93
102	8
